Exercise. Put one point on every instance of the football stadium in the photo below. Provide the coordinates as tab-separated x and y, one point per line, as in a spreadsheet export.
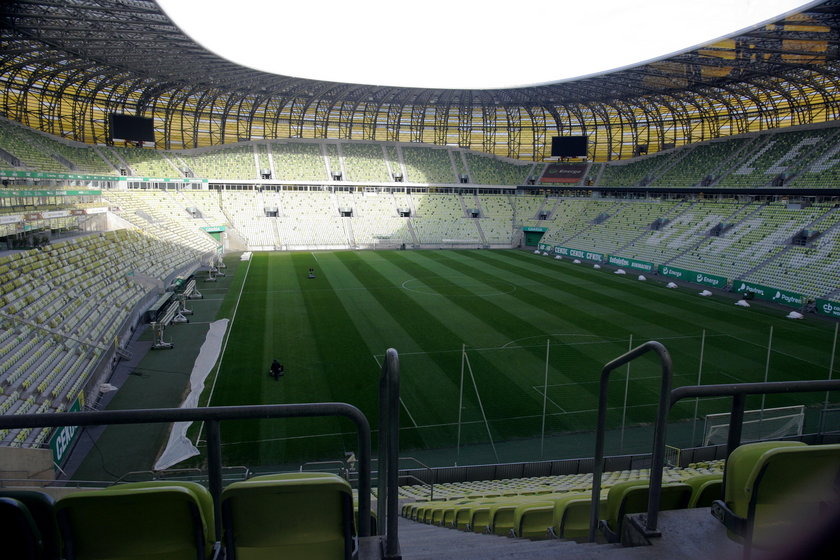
250	315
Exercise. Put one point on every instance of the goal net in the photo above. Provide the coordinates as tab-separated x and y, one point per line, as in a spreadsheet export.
769	423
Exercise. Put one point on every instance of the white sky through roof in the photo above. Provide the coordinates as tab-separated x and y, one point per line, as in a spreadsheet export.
458	44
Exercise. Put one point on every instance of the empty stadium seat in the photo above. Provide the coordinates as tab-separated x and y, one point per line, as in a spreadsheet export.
137	521
306	515
571	514
18	531
40	507
705	489
632	497
776	491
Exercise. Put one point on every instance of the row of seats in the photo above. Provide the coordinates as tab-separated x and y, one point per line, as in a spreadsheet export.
560	509
63	305
548	484
297	515
755	246
804	158
771	495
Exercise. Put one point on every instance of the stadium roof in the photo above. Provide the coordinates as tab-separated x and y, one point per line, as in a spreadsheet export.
65	59
444	44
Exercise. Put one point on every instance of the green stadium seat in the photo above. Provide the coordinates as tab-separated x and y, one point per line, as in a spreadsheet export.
705	489
18	531
533	520
501	515
774	491
631	496
464	514
289	516
41	508
143	521
571	514
479	514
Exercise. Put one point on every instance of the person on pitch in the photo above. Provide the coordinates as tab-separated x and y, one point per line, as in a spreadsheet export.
276	369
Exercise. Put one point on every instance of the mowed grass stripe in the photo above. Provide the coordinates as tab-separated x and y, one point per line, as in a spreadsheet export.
430	392
714	314
718	318
727	356
589	358
496	378
303	327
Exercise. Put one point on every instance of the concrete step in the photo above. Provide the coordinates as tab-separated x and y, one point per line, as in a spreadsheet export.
686	535
419	541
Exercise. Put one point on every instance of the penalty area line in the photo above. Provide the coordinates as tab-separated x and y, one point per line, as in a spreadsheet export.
539	391
402	402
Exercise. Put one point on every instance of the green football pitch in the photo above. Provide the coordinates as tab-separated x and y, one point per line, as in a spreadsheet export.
488	341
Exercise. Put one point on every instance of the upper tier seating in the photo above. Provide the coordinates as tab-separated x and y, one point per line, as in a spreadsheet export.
145	162
428	165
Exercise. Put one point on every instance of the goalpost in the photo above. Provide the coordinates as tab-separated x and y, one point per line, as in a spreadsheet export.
762	424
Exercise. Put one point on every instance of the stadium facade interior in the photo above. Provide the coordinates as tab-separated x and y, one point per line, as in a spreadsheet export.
719	166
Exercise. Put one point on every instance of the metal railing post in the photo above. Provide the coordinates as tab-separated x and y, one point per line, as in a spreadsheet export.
658	435
389	450
736	421
214	471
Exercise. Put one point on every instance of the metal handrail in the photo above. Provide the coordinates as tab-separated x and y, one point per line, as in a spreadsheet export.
738	392
212	416
658	462
431	482
341	464
409	476
387	501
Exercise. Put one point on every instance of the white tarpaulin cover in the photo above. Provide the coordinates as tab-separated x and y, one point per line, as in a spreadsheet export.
179	447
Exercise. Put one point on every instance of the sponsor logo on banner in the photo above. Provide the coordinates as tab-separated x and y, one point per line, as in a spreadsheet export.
55	214
630	263
775	295
693	276
63	437
563	173
579	254
831	308
666	271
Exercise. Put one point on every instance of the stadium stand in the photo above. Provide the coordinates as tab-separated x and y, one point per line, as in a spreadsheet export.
365	162
145	162
297	162
332	173
491	171
429	165
62	308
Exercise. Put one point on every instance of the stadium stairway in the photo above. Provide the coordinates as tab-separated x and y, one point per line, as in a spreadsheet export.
686	534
